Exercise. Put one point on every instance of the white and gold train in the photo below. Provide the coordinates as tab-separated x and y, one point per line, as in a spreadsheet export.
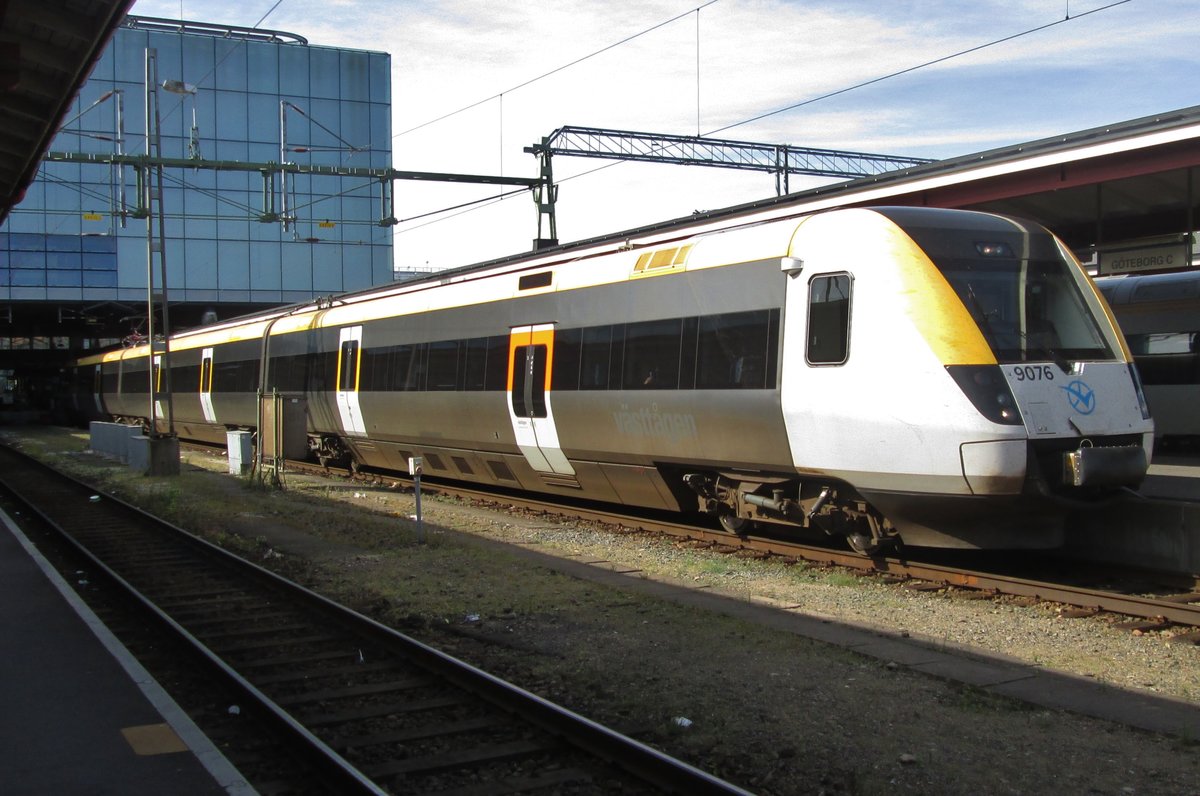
941	377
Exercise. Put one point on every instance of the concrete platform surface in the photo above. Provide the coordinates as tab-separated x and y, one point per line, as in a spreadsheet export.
80	714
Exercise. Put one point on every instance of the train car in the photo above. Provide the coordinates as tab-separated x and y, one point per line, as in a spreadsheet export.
937	377
1160	316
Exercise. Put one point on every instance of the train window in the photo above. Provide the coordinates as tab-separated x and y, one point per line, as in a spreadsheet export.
375	373
520	377
135	378
652	355
408	371
474	354
442	365
348	366
567	346
829	319
594	358
529	381
496	376
733	351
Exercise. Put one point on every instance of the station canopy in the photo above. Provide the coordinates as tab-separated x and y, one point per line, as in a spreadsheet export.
47	49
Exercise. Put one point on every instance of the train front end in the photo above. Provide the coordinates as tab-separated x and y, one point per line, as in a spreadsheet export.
1015	397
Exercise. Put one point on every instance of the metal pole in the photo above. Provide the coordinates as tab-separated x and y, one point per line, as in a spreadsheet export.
151	82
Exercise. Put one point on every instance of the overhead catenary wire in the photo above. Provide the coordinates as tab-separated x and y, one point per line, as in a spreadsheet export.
556	70
777	111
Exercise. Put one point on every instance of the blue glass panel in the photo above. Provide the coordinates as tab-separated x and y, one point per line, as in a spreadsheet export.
18	241
129	56
231	65
381	264
61	260
355	75
72	223
265	266
262	67
293	70
3	258
381	78
231	116
265	153
28	278
4	277
233	265
297	266
99	261
200	228
323	72
356	268
232	150
198	60
99	243
62	243
170	55
24	219
327	268
27	259
65	172
200	259
356	124
264	121
200	203
63	278
99	278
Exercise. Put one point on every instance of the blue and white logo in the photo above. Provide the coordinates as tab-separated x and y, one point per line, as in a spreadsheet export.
1081	396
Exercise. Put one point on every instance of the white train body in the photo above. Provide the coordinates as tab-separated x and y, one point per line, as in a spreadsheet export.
942	377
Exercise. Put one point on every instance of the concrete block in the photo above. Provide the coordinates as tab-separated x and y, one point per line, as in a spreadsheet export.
154	455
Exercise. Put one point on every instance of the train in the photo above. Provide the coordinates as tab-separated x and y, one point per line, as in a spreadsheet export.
884	375
1160	317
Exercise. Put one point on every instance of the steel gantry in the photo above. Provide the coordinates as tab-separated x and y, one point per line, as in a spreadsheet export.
780	159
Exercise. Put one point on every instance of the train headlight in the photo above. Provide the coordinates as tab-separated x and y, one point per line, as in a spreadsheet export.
986	387
1141	394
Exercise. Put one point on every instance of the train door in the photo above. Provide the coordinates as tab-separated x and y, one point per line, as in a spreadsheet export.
349	358
530	351
206	379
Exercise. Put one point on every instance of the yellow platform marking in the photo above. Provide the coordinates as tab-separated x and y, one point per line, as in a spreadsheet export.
153	739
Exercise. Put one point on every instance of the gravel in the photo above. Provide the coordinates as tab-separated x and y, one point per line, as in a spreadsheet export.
770	711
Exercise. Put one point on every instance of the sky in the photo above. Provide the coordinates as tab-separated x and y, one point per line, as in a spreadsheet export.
866	76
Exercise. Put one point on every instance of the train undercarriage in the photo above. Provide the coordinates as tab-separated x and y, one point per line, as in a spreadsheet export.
740	499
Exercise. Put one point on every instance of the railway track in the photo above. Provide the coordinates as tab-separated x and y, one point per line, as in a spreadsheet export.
369	710
1150	599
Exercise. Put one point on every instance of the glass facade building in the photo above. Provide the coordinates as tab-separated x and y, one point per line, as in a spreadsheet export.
76	237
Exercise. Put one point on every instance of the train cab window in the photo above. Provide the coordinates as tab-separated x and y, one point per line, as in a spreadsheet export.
829	319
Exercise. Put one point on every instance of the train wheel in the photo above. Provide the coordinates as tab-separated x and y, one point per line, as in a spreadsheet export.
863	544
739	526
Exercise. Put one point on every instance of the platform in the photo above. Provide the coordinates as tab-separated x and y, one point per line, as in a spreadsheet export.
80	713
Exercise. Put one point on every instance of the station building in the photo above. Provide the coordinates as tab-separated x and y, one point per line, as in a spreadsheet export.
74	251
